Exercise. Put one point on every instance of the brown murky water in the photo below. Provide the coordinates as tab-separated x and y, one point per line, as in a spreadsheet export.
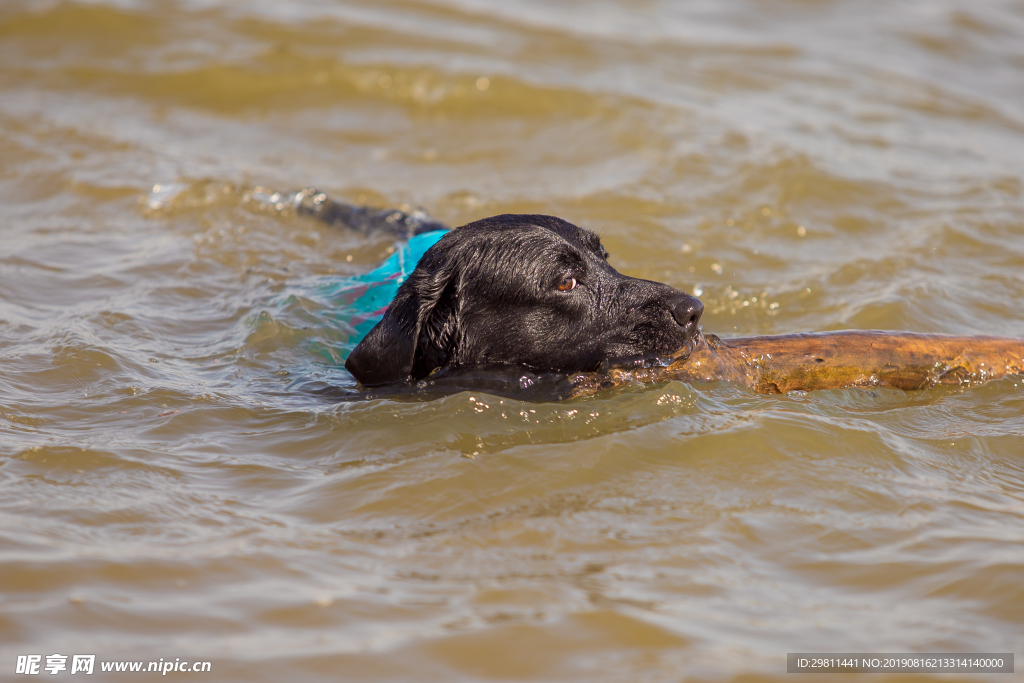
170	489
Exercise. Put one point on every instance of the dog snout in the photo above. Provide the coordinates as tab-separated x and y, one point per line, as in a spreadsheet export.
687	311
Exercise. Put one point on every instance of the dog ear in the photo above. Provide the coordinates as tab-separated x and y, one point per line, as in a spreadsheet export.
386	353
414	336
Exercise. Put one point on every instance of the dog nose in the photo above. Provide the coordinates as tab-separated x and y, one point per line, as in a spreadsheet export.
687	310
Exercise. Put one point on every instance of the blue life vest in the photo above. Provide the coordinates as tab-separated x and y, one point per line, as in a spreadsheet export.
360	301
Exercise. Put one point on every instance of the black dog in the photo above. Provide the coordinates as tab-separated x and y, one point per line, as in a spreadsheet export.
521	290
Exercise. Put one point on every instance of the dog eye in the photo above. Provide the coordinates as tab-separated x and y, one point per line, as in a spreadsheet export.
567	284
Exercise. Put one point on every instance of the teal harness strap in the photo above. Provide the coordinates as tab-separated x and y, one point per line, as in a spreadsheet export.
360	301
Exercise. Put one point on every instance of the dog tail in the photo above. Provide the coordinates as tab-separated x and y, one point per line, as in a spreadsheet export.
364	219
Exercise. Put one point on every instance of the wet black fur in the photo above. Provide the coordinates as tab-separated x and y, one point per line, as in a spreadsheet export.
487	294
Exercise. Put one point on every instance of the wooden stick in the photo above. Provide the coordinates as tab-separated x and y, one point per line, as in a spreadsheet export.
824	360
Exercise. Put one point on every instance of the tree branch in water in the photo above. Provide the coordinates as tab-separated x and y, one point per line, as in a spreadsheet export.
824	360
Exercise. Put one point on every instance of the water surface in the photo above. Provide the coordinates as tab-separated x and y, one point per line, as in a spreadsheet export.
171	488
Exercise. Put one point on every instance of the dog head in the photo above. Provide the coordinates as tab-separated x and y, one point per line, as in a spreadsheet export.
525	290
